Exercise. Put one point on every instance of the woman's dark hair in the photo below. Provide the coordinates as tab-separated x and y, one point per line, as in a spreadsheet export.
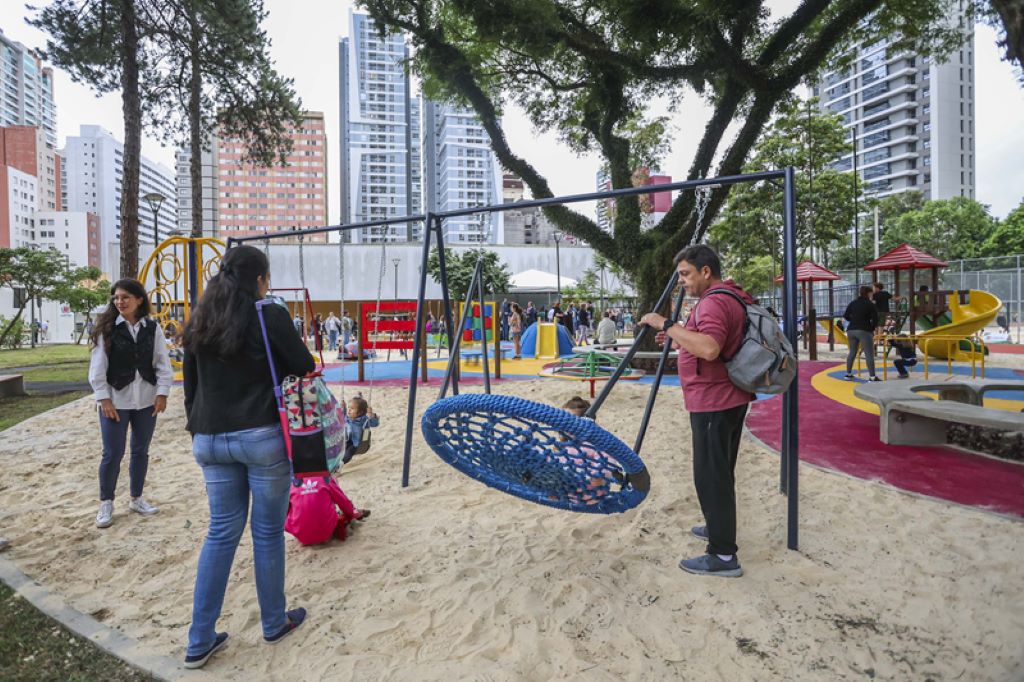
221	317
105	322
699	255
865	291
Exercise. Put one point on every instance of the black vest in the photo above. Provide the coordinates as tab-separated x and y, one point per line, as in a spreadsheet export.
128	355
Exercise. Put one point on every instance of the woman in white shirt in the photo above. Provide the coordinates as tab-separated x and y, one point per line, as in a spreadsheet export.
130	373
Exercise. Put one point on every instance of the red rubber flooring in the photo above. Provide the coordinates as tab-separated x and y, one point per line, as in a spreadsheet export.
845	439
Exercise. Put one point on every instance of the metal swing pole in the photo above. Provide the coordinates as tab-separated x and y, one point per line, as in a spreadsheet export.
417	348
620	370
448	321
790	424
451	371
483	326
658	376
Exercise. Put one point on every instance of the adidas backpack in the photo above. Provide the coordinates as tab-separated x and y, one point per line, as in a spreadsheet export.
765	361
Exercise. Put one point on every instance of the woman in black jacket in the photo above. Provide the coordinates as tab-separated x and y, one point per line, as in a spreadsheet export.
862	318
237	440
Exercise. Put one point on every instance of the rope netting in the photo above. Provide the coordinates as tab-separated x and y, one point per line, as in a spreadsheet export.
536	452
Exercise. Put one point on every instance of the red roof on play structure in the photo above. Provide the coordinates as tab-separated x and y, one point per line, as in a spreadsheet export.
905	257
809	271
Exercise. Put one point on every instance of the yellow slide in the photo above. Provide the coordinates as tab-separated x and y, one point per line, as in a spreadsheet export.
961	322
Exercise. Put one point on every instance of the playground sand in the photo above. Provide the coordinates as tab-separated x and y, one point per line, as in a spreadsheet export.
452	580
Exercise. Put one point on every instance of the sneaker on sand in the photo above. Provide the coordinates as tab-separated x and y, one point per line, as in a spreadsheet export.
710	564
700	532
105	516
293	619
199	660
140	506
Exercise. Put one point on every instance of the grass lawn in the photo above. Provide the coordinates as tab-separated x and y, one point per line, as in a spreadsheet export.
16	410
44	355
67	371
33	647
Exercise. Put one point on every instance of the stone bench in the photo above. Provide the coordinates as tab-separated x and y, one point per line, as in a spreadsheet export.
12	385
910	418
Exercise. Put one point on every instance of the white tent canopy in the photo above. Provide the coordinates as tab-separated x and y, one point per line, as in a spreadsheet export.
537	281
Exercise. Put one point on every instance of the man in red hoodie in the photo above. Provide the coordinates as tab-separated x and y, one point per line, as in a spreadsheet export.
713	331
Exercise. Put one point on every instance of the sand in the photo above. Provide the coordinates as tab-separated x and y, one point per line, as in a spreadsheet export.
450	579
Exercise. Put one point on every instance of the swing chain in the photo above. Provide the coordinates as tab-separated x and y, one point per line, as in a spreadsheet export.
302	263
703	196
380	289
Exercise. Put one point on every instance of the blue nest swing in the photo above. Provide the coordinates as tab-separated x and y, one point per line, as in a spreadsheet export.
536	452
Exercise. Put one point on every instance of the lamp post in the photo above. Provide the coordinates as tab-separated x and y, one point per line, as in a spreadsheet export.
155	201
396	261
557	236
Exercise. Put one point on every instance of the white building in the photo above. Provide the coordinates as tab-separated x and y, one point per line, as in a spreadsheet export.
461	171
380	176
74	234
182	167
911	120
91	175
22	198
27	86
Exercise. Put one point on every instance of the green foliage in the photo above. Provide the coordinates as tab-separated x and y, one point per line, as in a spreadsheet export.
15	335
755	274
81	291
588	71
947	228
1008	236
37	272
751	223
460	266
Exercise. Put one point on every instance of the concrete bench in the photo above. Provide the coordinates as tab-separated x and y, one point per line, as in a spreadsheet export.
924	422
12	385
910	418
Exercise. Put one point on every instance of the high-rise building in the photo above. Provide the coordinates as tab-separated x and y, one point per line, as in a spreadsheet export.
255	200
27	86
911	119
653	207
380	138
75	234
461	172
92	171
183	170
29	181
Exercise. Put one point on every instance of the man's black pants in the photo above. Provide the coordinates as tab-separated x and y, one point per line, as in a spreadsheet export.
716	443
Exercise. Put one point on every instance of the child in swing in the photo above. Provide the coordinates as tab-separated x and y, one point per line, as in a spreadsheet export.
359	417
576	457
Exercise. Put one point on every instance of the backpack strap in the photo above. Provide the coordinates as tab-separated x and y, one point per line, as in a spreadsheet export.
736	297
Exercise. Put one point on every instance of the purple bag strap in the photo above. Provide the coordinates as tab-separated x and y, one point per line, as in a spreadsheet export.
266	344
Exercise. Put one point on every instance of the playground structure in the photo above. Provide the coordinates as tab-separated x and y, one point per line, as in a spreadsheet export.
945	324
174	276
590	366
520	435
395	321
546	341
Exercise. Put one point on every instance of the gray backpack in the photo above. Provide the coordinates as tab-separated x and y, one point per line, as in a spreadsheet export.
765	361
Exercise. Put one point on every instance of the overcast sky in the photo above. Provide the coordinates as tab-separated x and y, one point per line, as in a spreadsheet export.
308	52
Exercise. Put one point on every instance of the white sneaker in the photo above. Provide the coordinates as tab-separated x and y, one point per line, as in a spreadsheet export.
140	506
105	516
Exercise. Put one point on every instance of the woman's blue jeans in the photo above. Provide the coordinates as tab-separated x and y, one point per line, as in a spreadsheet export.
237	465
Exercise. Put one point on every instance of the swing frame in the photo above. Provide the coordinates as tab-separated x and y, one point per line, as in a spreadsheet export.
789	460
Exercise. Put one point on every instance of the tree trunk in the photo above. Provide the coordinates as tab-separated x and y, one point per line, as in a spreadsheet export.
131	106
10	325
195	122
78	341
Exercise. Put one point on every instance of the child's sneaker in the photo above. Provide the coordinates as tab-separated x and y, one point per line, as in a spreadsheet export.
140	506
105	516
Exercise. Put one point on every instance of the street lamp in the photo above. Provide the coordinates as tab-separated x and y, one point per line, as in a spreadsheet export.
396	261
155	201
557	236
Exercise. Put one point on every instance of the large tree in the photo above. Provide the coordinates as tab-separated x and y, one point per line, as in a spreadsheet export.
36	272
218	77
1007	239
105	44
946	228
750	227
459	267
589	69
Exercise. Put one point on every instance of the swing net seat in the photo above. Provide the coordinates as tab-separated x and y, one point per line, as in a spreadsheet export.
537	452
